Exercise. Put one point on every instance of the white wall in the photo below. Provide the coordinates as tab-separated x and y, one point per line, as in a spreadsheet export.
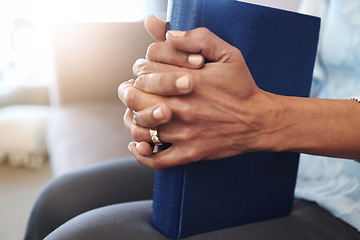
291	5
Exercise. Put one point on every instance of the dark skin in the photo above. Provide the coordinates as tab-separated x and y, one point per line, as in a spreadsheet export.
203	107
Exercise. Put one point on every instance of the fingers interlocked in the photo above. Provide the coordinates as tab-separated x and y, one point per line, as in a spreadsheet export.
147	96
176	98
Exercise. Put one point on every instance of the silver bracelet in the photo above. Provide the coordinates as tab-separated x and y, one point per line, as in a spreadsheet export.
356	99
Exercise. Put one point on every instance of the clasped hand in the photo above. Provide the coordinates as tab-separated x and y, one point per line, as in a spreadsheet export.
206	110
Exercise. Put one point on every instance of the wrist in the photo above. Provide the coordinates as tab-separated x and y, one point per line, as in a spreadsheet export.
294	124
265	114
276	120
308	125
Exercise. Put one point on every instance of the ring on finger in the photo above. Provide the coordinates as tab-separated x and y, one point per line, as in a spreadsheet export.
155	137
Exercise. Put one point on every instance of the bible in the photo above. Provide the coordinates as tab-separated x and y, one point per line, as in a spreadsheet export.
279	48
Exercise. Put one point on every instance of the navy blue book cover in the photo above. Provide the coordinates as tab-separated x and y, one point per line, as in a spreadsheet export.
279	48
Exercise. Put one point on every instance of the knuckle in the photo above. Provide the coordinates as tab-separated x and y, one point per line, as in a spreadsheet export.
183	108
129	98
192	133
125	119
150	83
120	90
139	66
160	83
152	50
203	32
185	134
141	81
136	133
186	113
156	51
191	156
157	164
188	157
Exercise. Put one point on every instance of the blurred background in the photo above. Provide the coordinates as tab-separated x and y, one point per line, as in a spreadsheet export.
25	38
60	64
27	75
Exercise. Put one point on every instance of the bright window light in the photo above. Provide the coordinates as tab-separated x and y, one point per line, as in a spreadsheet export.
26	26
58	11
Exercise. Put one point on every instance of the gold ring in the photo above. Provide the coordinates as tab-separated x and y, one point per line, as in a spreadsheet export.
155	137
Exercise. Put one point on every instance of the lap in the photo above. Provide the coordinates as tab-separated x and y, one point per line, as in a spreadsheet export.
132	221
106	183
103	202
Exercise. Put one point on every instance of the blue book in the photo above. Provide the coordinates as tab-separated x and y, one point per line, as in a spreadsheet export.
279	48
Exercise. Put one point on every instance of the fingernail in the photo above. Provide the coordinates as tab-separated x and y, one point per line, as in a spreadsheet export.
176	33
195	59
136	146
182	83
158	114
129	147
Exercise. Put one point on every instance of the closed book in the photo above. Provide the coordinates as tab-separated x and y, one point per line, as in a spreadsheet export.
279	48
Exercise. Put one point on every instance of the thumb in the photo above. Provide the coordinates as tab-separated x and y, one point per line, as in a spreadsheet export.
156	28
202	40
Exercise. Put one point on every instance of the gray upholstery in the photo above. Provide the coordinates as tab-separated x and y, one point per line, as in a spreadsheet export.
132	221
106	201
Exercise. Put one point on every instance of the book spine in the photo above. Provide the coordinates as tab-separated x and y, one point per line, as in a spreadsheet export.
167	197
183	15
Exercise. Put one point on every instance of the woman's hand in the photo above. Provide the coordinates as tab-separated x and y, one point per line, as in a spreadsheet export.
215	110
215	119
